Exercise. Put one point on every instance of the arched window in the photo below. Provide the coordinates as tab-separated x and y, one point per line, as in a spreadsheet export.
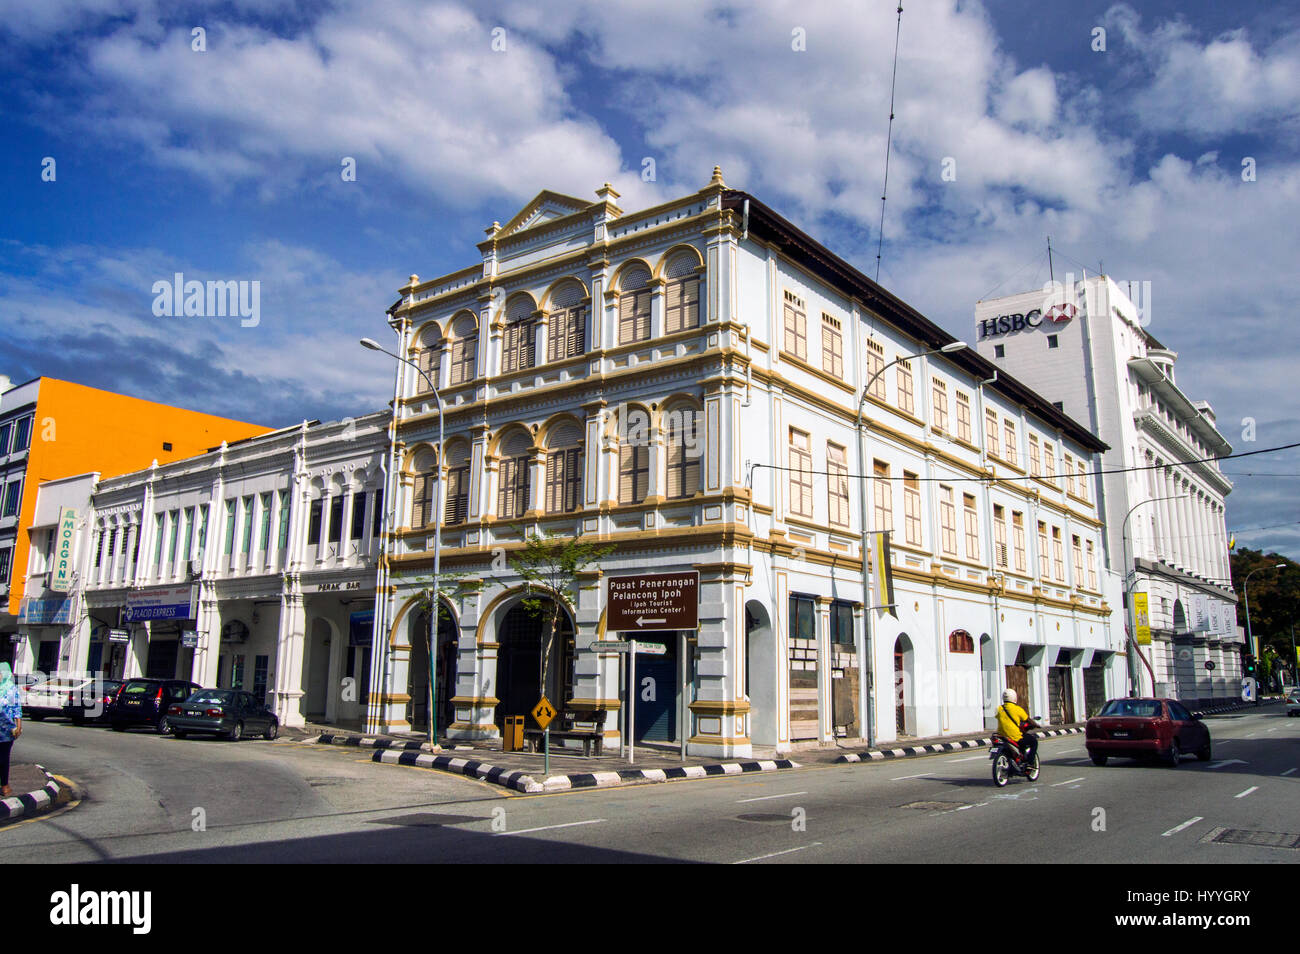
424	466
682	296
564	469
464	349
428	354
512	475
684	440
457	507
517	350
566	331
633	456
634	305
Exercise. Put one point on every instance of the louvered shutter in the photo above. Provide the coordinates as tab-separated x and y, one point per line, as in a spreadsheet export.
555	481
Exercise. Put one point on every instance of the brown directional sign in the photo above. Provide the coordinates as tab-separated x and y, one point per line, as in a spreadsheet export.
544	712
656	602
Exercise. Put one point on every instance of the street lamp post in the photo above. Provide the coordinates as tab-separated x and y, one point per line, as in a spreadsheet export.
1250	638
1130	578
866	656
437	540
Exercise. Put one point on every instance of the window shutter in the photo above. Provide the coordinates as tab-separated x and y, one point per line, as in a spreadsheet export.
555	482
572	479
676	458
626	468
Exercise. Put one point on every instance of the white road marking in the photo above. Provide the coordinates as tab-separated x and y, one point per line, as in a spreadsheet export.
900	778
1078	761
1288	771
1186	824
1079	779
763	798
969	758
776	853
1253	788
1215	765
1274	729
529	831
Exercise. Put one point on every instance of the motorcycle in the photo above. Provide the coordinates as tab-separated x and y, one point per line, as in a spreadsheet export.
1008	761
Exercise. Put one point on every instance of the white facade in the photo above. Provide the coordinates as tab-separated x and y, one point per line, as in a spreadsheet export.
1163	507
52	622
263	553
742	347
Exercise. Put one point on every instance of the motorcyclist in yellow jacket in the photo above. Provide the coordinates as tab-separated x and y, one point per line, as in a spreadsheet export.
1012	723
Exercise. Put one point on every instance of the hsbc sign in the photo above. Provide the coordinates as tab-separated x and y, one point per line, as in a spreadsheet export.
1012	323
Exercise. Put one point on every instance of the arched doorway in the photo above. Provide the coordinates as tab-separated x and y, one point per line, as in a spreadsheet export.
904	704
761	674
519	662
990	691
417	673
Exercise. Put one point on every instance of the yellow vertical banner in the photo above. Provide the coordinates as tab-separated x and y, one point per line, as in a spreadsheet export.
1142	619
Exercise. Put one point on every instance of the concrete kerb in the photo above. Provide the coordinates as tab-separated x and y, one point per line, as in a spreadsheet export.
400	752
39	802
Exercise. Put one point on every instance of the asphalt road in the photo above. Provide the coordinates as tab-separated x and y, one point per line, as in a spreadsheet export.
287	802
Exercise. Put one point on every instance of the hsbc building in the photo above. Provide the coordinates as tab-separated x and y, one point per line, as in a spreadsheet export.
1088	347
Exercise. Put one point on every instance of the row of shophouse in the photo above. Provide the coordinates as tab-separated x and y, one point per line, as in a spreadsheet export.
682	384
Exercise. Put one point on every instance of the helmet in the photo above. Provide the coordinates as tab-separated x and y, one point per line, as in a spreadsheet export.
1009	696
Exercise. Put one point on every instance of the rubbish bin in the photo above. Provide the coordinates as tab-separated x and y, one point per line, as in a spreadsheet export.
512	734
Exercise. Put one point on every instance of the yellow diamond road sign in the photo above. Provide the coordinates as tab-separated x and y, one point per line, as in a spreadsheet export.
544	712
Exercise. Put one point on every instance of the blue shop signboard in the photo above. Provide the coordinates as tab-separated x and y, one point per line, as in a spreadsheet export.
48	612
168	602
361	628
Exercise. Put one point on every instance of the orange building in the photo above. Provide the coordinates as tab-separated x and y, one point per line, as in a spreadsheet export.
51	429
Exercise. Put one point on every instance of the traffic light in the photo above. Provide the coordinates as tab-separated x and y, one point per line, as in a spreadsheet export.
1249	665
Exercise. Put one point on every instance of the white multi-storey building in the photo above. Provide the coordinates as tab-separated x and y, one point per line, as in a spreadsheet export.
682	383
252	566
1087	347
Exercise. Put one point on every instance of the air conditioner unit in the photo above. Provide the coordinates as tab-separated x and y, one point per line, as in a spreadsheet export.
196	568
234	632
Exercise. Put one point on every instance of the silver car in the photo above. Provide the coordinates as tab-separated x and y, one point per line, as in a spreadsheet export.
1292	700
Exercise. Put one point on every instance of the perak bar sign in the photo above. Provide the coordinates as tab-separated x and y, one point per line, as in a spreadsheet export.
653	603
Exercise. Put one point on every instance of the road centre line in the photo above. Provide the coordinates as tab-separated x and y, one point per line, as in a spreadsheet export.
1253	788
1079	779
1288	771
776	853
529	831
1186	824
969	758
1078	761
902	778
763	798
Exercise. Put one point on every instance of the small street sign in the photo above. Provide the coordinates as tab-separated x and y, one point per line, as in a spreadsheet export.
653	602
611	646
1209	664
651	649
543	713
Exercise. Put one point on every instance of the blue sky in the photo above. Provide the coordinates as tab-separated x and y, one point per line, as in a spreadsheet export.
224	164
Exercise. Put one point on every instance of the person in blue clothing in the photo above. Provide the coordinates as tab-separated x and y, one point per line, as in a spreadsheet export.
11	724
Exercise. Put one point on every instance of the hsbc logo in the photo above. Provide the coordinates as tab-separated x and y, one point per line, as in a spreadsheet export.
1010	324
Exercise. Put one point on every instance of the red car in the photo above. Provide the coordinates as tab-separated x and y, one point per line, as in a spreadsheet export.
1146	728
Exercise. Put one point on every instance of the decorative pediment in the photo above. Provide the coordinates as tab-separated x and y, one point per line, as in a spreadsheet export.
544	207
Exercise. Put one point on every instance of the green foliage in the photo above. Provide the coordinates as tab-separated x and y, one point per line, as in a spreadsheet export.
448	583
551	563
1274	597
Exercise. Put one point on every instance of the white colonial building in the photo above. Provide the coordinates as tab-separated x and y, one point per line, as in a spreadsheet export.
1086	346
252	566
682	383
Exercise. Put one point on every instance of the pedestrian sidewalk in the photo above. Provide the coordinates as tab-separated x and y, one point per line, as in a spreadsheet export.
35	792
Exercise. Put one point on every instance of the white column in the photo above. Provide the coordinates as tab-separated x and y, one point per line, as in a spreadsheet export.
290	641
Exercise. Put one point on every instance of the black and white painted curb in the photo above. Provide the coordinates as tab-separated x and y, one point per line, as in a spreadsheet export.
33	803
1236	706
527	784
875	755
372	742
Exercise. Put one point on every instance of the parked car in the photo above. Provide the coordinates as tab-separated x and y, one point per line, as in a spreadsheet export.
225	712
146	701
1293	702
71	698
95	703
1144	729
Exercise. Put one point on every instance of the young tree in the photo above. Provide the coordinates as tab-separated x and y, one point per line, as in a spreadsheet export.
425	602
552	563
